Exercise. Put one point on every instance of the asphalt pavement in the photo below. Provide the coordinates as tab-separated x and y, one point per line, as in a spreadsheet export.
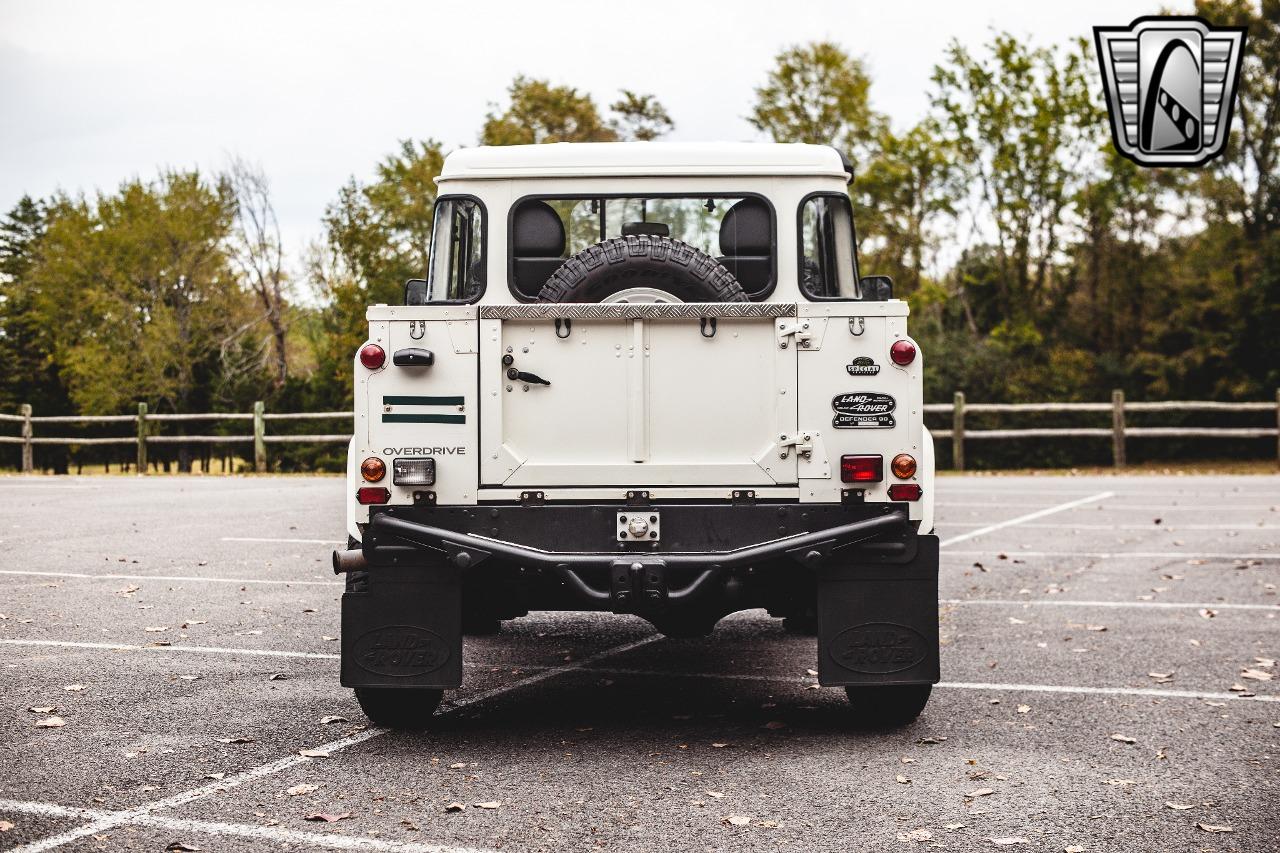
1109	684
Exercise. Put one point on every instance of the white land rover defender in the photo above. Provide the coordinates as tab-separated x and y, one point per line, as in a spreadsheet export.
641	378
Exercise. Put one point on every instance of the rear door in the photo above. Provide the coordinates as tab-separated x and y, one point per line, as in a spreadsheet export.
639	395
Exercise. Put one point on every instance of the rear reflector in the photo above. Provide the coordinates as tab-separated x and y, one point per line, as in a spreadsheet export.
373	495
413	472
861	469
905	492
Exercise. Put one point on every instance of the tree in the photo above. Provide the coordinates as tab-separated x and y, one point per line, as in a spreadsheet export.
137	293
640	117
540	112
257	251
1022	120
817	93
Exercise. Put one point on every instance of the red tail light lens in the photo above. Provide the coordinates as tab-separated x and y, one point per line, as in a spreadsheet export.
373	495
372	356
862	469
902	352
905	492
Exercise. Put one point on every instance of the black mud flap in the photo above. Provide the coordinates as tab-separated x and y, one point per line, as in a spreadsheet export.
405	628
878	624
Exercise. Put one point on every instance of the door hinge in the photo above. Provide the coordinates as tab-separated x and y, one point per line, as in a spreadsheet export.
801	441
798	328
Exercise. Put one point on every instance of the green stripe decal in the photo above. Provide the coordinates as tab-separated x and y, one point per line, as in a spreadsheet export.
423	401
424	419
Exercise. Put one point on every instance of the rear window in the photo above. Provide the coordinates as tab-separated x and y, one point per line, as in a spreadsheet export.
743	242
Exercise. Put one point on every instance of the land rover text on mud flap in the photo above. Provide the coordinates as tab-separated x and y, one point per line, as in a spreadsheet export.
641	378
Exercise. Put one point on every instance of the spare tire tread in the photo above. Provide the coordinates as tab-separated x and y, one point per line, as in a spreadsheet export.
642	260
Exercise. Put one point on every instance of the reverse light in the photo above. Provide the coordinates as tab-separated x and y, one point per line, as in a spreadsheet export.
862	469
373	469
902	352
903	466
414	472
905	492
372	356
372	495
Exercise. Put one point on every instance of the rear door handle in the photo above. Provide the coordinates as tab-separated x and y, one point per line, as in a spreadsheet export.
521	376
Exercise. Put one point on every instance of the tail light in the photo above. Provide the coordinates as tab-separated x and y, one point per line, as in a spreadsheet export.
373	469
372	356
905	492
902	352
372	495
862	469
903	466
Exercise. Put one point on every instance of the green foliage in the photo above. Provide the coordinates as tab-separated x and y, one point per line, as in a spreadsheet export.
640	117
540	112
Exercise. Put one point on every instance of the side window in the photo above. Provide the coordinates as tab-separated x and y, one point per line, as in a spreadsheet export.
457	251
828	262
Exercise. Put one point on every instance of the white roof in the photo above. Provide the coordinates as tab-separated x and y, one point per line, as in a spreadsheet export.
614	159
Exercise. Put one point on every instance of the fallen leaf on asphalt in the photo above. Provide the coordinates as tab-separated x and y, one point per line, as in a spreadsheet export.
299	790
938	739
5	826
43	709
1121	782
981	792
74	688
955	826
156	629
1013	620
717	794
277	676
333	718
1265	663
813	673
1161	677
1024	709
1256	675
488	804
236	739
1005	842
328	639
313	753
719	745
902	780
1208	827
1095	627
455	807
1178	807
1237	688
181	847
328	818
918	835
1208	612
737	820
775	725
1124	738
217	777
51	723
458	765
1073	848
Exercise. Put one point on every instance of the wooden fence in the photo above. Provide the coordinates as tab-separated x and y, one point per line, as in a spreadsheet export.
1118	432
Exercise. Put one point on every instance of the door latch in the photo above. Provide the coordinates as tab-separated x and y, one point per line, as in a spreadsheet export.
798	328
801	441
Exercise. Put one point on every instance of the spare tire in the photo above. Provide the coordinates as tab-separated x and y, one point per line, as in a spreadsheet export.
643	261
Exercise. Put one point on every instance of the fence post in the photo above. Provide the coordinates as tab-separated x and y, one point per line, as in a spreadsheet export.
27	461
1117	428
142	439
957	432
259	442
1278	427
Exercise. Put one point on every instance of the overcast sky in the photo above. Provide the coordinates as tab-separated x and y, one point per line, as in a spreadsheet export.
93	93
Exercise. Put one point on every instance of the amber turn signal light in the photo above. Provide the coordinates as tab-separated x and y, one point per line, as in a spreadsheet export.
374	469
903	466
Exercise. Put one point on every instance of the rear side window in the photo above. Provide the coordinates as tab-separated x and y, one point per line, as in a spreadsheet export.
828	259
457	251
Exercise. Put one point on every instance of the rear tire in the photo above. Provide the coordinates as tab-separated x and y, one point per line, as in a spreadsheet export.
888	706
661	264
408	709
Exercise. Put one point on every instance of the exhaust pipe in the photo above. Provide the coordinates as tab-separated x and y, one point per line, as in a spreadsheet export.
349	561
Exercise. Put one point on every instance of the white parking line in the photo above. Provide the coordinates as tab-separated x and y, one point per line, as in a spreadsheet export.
1171	527
1137	605
175	578
1106	555
273	539
946	504
311	840
140	813
205	650
953	685
1031	516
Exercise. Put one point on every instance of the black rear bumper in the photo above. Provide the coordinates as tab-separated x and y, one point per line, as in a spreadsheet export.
873	577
